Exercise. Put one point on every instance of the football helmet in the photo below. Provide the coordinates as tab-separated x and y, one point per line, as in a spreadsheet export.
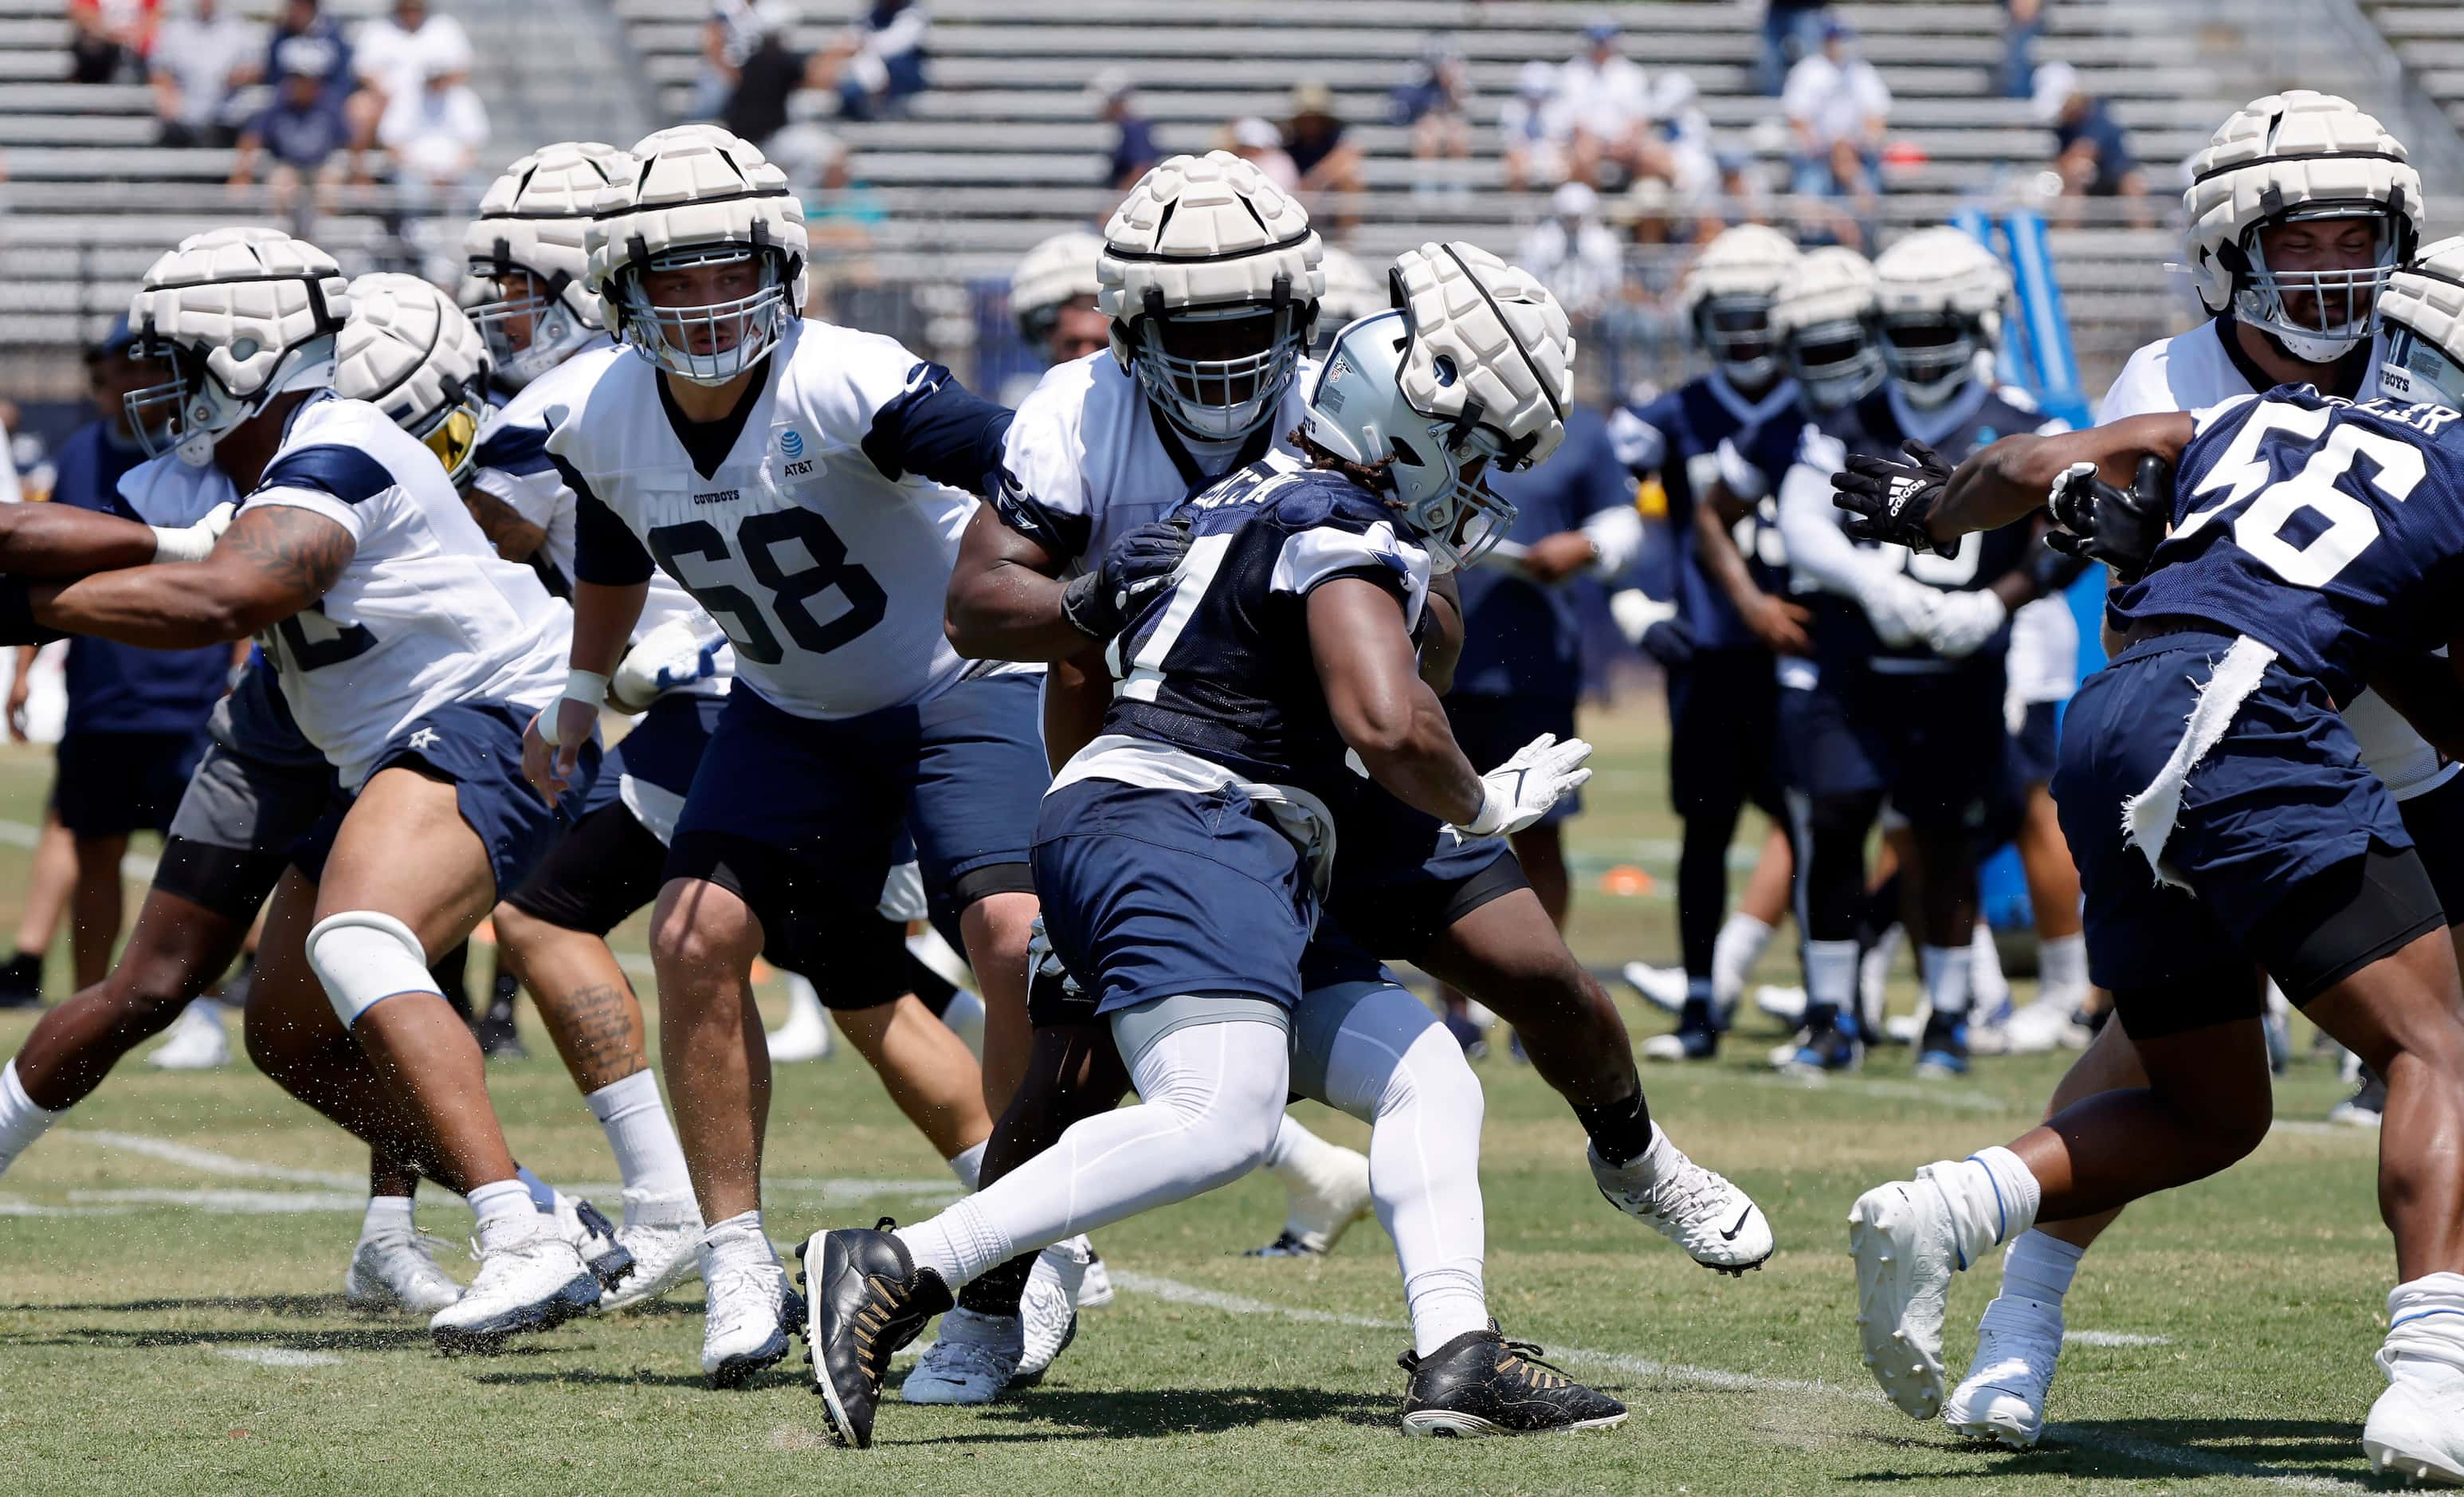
410	352
241	316
527	249
1726	299
1938	300
2423	313
1824	321
1054	273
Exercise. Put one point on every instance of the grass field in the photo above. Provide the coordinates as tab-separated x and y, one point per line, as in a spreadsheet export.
170	1256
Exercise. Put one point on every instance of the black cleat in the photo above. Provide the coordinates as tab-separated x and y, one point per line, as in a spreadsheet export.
609	1261
1480	1383
866	1299
21	981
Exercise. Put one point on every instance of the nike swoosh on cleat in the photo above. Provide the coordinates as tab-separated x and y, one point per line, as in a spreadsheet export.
1730	1235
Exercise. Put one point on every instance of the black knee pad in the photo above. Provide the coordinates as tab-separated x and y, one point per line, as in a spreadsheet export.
606	868
232	882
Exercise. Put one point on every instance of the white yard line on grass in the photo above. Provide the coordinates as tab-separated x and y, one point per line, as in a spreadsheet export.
1174	1291
138	868
277	1357
172	1152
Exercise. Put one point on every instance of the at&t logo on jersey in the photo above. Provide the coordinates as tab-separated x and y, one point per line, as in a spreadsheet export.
791	445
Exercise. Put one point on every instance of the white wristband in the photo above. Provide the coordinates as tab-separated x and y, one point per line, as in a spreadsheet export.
180	546
1494	809
586	687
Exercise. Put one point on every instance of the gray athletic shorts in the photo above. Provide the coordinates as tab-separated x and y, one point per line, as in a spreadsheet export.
251	806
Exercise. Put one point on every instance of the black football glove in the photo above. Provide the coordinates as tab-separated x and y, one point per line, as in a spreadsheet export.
1670	643
1890	498
2119	527
1099	604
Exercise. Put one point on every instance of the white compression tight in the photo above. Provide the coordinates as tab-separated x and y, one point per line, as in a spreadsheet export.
1391	1064
1211	1095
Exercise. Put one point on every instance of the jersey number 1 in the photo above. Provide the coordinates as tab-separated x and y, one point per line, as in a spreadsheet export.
744	619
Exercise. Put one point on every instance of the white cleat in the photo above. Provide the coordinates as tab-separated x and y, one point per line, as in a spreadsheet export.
2049	1023
394	1270
197	1041
2004	1397
1317	1214
1787	1004
806	1036
1661	987
744	1327
2416	1427
1096	1290
1902	1237
1049	1310
972	1359
531	1278
1698	1209
663	1235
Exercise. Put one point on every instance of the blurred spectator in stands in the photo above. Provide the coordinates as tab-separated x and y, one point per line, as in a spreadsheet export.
1257	142
393	59
1792	32
877	64
1535	127
2090	151
728	36
108	39
1744	195
199	55
768	75
1437	107
1608	102
1836	107
10	491
432	135
1574	253
1327	163
2023	21
840	211
302	135
1680	135
1133	142
304	20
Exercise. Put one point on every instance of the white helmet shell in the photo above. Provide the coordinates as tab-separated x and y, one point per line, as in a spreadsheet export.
1209	239
1054	273
2422	311
1476	362
2289	156
1940	294
244	314
698	196
410	352
1726	297
1824	320
535	219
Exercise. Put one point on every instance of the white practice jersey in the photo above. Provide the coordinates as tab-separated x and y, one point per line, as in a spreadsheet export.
2191	372
425	613
821	542
513	466
1085	461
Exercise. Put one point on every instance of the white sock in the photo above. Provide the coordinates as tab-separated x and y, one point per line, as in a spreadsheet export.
738	1237
1987	987
968	1164
2035	1274
1946	973
386	1215
2428	1313
2061	966
1992	1196
1873	974
1296	1155
647	1155
1830	973
1734	951
1211	1097
21	1121
501	1198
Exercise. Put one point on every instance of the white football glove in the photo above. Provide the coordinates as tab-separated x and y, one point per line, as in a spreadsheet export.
1962	621
1635	611
1898	607
1043	966
677	653
1519	791
194	542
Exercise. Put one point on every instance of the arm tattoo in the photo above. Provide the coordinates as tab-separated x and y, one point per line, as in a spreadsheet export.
294	549
515	538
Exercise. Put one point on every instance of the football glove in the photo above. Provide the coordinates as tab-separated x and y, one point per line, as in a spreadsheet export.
194	542
1962	621
677	653
1899	608
2119	527
1524	788
1045	972
1099	604
1891	499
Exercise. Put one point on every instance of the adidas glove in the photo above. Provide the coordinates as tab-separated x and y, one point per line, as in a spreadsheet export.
194	542
1898	607
1045	972
1524	788
1098	605
1962	621
2119	527
1891	499
677	653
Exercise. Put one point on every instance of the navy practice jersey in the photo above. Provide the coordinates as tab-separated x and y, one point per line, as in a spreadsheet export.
1678	436
1219	664
1876	425
1520	638
2329	531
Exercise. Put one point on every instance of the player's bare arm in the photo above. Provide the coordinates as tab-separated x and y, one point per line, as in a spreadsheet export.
1780	625
1381	706
1004	600
62	540
1075	694
1442	642
1915	502
604	616
515	539
275	559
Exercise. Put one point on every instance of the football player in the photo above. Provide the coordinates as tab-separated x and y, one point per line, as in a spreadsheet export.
1183	854
2227	829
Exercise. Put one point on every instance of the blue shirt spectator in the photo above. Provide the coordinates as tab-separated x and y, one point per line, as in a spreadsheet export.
115	688
1521	636
306	39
